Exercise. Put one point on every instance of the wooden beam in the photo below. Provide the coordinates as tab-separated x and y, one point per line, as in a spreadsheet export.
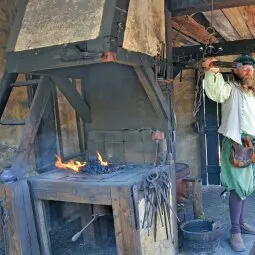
55	57
152	88
73	97
200	18
70	191
127	237
187	7
46	139
229	48
222	25
248	13
149	91
237	21
22	4
188	26
12	122
21	159
25	83
22	231
41	222
180	39
6	89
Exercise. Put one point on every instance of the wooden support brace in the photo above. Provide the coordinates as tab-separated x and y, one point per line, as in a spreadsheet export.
25	83
152	88
22	236
73	97
179	8
41	98
6	89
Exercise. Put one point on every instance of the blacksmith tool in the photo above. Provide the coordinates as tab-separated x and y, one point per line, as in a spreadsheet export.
98	211
157	188
78	234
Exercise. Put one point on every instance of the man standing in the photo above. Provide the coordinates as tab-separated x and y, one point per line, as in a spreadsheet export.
238	123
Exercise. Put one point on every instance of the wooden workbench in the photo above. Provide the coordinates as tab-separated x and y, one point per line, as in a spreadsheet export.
116	189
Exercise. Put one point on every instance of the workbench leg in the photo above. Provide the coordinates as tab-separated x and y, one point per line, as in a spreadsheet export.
43	232
127	237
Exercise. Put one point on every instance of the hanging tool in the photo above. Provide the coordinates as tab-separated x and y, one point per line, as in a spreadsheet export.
157	189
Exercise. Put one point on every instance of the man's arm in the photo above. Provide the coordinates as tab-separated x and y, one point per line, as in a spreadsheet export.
215	87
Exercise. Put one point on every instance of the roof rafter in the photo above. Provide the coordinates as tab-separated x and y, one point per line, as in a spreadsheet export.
187	7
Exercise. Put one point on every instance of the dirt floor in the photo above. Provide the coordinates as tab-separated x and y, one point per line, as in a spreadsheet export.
216	208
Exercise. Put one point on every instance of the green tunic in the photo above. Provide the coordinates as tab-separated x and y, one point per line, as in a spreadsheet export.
242	180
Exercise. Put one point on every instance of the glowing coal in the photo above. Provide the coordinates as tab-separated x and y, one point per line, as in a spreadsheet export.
95	165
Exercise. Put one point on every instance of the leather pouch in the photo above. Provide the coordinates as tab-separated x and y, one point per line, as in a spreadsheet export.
242	155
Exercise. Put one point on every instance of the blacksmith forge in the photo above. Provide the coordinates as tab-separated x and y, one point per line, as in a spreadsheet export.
110	59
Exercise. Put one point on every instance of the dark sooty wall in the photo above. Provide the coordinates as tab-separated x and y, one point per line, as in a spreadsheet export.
117	99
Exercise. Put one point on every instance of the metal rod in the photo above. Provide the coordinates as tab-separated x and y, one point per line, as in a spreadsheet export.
78	234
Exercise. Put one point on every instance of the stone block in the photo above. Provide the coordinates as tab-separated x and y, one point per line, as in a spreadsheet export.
146	135
132	136
94	146
113	136
150	152
115	152
134	152
97	136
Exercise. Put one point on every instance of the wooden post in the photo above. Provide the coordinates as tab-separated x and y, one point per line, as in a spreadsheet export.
197	198
22	236
197	195
127	237
42	227
42	95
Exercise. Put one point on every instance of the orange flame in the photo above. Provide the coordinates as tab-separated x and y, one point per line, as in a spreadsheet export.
74	165
99	157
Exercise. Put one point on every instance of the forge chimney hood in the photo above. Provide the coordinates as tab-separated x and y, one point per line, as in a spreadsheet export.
65	33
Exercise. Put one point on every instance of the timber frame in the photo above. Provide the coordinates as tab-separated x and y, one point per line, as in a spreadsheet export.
72	54
187	7
52	67
229	48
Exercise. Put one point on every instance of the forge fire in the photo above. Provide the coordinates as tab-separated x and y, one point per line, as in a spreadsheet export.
95	165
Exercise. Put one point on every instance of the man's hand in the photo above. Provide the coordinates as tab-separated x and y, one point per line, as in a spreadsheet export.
207	65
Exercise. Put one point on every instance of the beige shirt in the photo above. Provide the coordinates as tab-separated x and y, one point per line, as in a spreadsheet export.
238	108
